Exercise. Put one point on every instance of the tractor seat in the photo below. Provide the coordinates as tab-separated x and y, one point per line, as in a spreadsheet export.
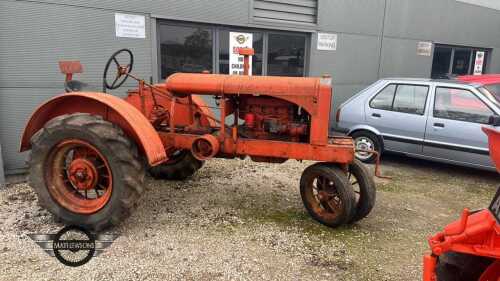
77	86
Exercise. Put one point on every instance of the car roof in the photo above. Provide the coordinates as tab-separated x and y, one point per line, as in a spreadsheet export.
428	80
485	79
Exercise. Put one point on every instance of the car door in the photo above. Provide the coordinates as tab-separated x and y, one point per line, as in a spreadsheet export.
454	128
398	113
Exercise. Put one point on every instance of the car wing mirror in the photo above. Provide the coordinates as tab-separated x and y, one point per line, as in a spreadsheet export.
494	120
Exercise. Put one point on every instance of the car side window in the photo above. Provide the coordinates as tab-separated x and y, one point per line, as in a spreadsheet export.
383	100
461	105
403	98
410	99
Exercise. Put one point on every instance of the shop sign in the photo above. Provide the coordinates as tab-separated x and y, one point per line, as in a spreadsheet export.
130	26
239	40
478	63
327	42
424	49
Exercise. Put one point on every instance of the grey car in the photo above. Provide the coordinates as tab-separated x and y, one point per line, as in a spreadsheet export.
438	120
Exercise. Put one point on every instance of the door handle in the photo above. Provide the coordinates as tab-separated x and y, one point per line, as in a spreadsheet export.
376	115
439	125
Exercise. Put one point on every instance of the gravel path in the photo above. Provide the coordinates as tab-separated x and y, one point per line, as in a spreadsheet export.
240	220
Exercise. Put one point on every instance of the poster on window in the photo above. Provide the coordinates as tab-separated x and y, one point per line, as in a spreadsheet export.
239	40
478	63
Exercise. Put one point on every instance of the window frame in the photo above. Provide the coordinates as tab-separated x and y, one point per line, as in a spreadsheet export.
464	89
217	29
394	97
453	48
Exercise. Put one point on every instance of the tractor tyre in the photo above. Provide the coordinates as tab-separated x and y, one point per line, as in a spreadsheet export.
364	189
367	140
327	195
180	166
454	266
85	171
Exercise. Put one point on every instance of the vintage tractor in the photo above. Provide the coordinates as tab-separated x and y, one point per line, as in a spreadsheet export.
90	150
469	249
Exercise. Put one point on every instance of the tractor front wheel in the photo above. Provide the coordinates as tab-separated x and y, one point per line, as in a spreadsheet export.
85	171
181	165
364	189
327	194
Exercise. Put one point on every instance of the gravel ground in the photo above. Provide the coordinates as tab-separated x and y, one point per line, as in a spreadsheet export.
240	220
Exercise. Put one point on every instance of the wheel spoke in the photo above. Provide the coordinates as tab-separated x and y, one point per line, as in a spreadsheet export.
116	80
116	62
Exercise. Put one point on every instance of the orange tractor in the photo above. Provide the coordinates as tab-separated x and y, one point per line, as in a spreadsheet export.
469	249
90	150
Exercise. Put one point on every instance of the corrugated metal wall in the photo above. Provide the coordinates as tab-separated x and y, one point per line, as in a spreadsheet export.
376	38
296	11
33	38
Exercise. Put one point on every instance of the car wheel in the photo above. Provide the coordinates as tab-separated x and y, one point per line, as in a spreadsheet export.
364	140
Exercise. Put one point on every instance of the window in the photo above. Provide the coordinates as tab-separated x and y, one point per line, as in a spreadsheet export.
441	62
258	39
286	55
402	98
410	99
461	105
452	61
494	89
383	100
185	49
461	62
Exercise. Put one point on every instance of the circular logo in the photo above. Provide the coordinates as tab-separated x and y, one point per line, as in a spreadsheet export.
74	245
241	38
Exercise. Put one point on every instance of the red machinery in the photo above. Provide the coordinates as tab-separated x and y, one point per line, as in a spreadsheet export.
88	148
469	249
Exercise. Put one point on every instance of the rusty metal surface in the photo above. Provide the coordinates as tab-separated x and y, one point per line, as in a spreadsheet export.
311	94
335	153
86	185
111	108
205	147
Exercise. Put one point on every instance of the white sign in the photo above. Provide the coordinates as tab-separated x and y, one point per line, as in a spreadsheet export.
478	63
424	49
130	26
239	40
327	42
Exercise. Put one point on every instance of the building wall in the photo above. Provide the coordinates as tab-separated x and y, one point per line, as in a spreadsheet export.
376	38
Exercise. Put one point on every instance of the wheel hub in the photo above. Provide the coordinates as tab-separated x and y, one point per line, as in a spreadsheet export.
364	144
82	173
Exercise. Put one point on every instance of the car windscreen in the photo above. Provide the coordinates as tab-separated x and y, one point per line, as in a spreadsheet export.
492	92
494	89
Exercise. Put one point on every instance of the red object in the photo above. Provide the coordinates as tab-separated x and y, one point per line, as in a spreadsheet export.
111	108
250	120
476	234
246	53
284	118
485	79
69	68
90	183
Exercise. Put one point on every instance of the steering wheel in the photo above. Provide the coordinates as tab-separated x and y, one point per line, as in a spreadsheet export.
122	70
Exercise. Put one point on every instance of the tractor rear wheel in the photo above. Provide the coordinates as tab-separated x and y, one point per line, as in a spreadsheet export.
364	189
85	171
327	194
455	266
181	165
